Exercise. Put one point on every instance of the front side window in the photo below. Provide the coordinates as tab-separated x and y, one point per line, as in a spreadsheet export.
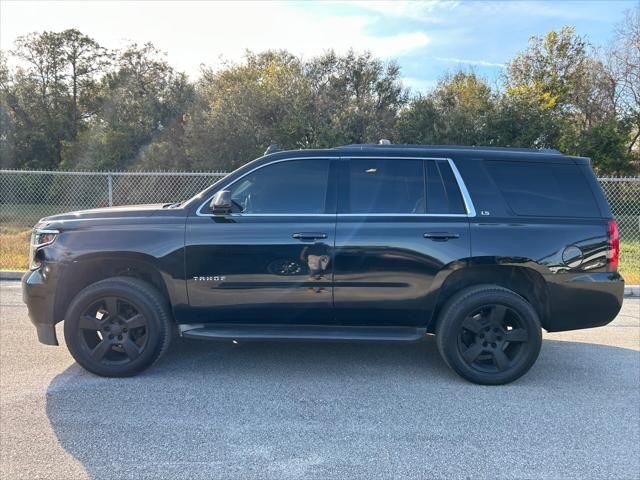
289	187
386	186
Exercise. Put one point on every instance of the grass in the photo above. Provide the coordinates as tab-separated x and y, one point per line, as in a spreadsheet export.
14	250
630	262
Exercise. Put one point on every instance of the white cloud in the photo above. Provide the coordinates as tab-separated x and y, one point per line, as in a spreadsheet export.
426	10
482	63
202	32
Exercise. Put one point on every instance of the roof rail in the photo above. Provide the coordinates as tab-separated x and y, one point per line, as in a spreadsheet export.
359	146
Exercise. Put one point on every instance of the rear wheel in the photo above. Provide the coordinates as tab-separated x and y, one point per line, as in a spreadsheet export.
489	335
117	327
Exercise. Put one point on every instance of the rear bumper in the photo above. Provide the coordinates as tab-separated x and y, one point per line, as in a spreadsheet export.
583	301
38	296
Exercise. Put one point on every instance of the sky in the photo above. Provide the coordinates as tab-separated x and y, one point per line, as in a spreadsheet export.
427	38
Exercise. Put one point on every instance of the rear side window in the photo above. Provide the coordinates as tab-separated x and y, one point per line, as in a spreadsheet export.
443	194
544	189
386	186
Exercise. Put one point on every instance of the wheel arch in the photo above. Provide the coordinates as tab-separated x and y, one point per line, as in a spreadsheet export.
525	281
90	269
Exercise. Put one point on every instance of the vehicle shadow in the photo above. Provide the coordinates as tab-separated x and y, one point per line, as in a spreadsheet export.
336	410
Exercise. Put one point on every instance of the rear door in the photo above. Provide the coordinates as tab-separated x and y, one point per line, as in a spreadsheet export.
270	259
400	222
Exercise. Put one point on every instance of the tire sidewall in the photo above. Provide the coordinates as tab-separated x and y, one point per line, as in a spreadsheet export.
453	317
140	301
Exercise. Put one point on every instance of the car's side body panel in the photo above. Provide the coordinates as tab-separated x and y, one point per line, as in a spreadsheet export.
251	269
570	253
571	260
365	270
384	266
147	237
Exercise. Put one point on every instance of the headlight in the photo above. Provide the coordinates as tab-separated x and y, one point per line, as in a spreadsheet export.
40	238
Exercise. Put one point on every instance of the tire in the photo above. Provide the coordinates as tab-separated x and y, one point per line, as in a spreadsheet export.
489	335
118	327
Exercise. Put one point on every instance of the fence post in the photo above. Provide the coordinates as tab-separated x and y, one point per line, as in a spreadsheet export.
110	187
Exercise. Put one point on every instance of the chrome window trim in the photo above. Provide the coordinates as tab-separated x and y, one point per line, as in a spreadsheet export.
468	203
464	215
466	198
244	215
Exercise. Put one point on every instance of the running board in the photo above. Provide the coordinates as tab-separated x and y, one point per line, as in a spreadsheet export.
302	333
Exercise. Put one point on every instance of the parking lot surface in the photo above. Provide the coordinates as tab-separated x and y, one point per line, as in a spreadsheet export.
323	410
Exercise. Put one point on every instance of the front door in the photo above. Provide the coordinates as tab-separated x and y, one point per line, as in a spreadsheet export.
271	259
400	222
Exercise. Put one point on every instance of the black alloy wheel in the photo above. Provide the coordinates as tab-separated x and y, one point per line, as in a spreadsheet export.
118	327
493	338
112	330
489	335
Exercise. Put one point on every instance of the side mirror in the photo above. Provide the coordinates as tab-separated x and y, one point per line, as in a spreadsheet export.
221	203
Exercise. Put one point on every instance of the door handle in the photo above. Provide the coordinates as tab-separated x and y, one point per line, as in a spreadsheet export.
309	236
441	236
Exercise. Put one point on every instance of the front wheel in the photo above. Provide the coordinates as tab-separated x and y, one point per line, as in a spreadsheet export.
117	327
489	335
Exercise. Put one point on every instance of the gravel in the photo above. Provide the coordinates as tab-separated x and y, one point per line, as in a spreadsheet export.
324	410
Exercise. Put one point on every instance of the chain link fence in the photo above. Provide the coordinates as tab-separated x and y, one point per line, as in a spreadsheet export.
27	196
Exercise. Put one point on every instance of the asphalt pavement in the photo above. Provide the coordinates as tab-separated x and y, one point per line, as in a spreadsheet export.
319	410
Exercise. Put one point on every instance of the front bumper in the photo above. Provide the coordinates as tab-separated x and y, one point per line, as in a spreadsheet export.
38	294
583	301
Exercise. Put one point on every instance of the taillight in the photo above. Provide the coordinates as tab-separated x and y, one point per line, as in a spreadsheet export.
614	246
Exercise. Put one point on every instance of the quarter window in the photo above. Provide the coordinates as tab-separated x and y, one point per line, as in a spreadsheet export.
544	189
290	187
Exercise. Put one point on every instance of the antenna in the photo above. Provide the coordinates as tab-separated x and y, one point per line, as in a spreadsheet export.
272	149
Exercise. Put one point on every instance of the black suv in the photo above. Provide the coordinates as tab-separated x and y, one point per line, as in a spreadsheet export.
482	247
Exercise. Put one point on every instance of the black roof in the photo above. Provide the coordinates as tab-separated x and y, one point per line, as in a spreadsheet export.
439	151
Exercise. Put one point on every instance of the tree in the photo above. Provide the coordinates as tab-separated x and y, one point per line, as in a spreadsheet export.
466	105
561	94
85	59
275	97
7	132
69	103
356	98
244	107
624	66
459	111
139	102
47	93
543	81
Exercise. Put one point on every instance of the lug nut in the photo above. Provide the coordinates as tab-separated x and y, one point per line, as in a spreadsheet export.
493	345
120	337
484	344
